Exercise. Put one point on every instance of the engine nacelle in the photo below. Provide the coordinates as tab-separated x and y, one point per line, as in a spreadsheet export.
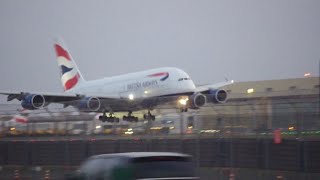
89	104
197	100
33	101
218	95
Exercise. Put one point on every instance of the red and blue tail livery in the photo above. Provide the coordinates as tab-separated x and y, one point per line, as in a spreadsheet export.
69	73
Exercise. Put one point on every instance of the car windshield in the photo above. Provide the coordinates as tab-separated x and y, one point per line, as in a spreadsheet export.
162	167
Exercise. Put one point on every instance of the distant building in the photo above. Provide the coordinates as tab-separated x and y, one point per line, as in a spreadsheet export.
266	105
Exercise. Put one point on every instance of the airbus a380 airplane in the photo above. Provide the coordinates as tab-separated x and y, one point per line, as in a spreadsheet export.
128	92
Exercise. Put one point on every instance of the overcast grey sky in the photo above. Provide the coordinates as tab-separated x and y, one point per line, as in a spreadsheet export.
241	39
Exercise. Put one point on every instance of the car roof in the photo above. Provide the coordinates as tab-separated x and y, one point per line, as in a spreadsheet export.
138	154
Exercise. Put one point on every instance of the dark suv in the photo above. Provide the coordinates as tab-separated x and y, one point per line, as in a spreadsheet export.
136	165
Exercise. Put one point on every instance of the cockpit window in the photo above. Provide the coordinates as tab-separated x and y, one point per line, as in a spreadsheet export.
181	79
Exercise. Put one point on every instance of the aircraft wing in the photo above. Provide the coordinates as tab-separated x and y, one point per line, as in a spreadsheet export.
54	97
205	88
58	97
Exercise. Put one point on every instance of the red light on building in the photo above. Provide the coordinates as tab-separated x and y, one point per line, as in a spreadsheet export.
277	136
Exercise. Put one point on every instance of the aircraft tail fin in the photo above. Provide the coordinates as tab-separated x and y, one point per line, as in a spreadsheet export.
70	74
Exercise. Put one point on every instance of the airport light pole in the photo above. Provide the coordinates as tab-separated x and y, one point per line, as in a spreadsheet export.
181	123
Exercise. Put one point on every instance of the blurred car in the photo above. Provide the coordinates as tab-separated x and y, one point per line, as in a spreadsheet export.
136	165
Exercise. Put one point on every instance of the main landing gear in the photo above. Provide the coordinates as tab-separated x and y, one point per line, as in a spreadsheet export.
110	118
149	116
130	118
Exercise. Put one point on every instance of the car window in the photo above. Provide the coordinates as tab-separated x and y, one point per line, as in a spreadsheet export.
98	168
162	167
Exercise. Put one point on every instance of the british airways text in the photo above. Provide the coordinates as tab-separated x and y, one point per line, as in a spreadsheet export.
144	84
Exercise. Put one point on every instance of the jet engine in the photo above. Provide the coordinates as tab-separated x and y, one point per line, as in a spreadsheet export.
89	104
197	100
33	101
218	95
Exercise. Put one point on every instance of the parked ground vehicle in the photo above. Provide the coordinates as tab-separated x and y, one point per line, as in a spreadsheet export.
136	165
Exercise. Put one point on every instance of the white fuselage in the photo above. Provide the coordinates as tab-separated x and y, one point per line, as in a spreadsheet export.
149	83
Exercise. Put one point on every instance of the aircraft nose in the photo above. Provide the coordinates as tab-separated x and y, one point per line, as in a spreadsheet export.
189	86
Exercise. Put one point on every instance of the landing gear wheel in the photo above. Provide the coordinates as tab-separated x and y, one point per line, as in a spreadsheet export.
184	110
111	118
130	118
149	116
102	118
